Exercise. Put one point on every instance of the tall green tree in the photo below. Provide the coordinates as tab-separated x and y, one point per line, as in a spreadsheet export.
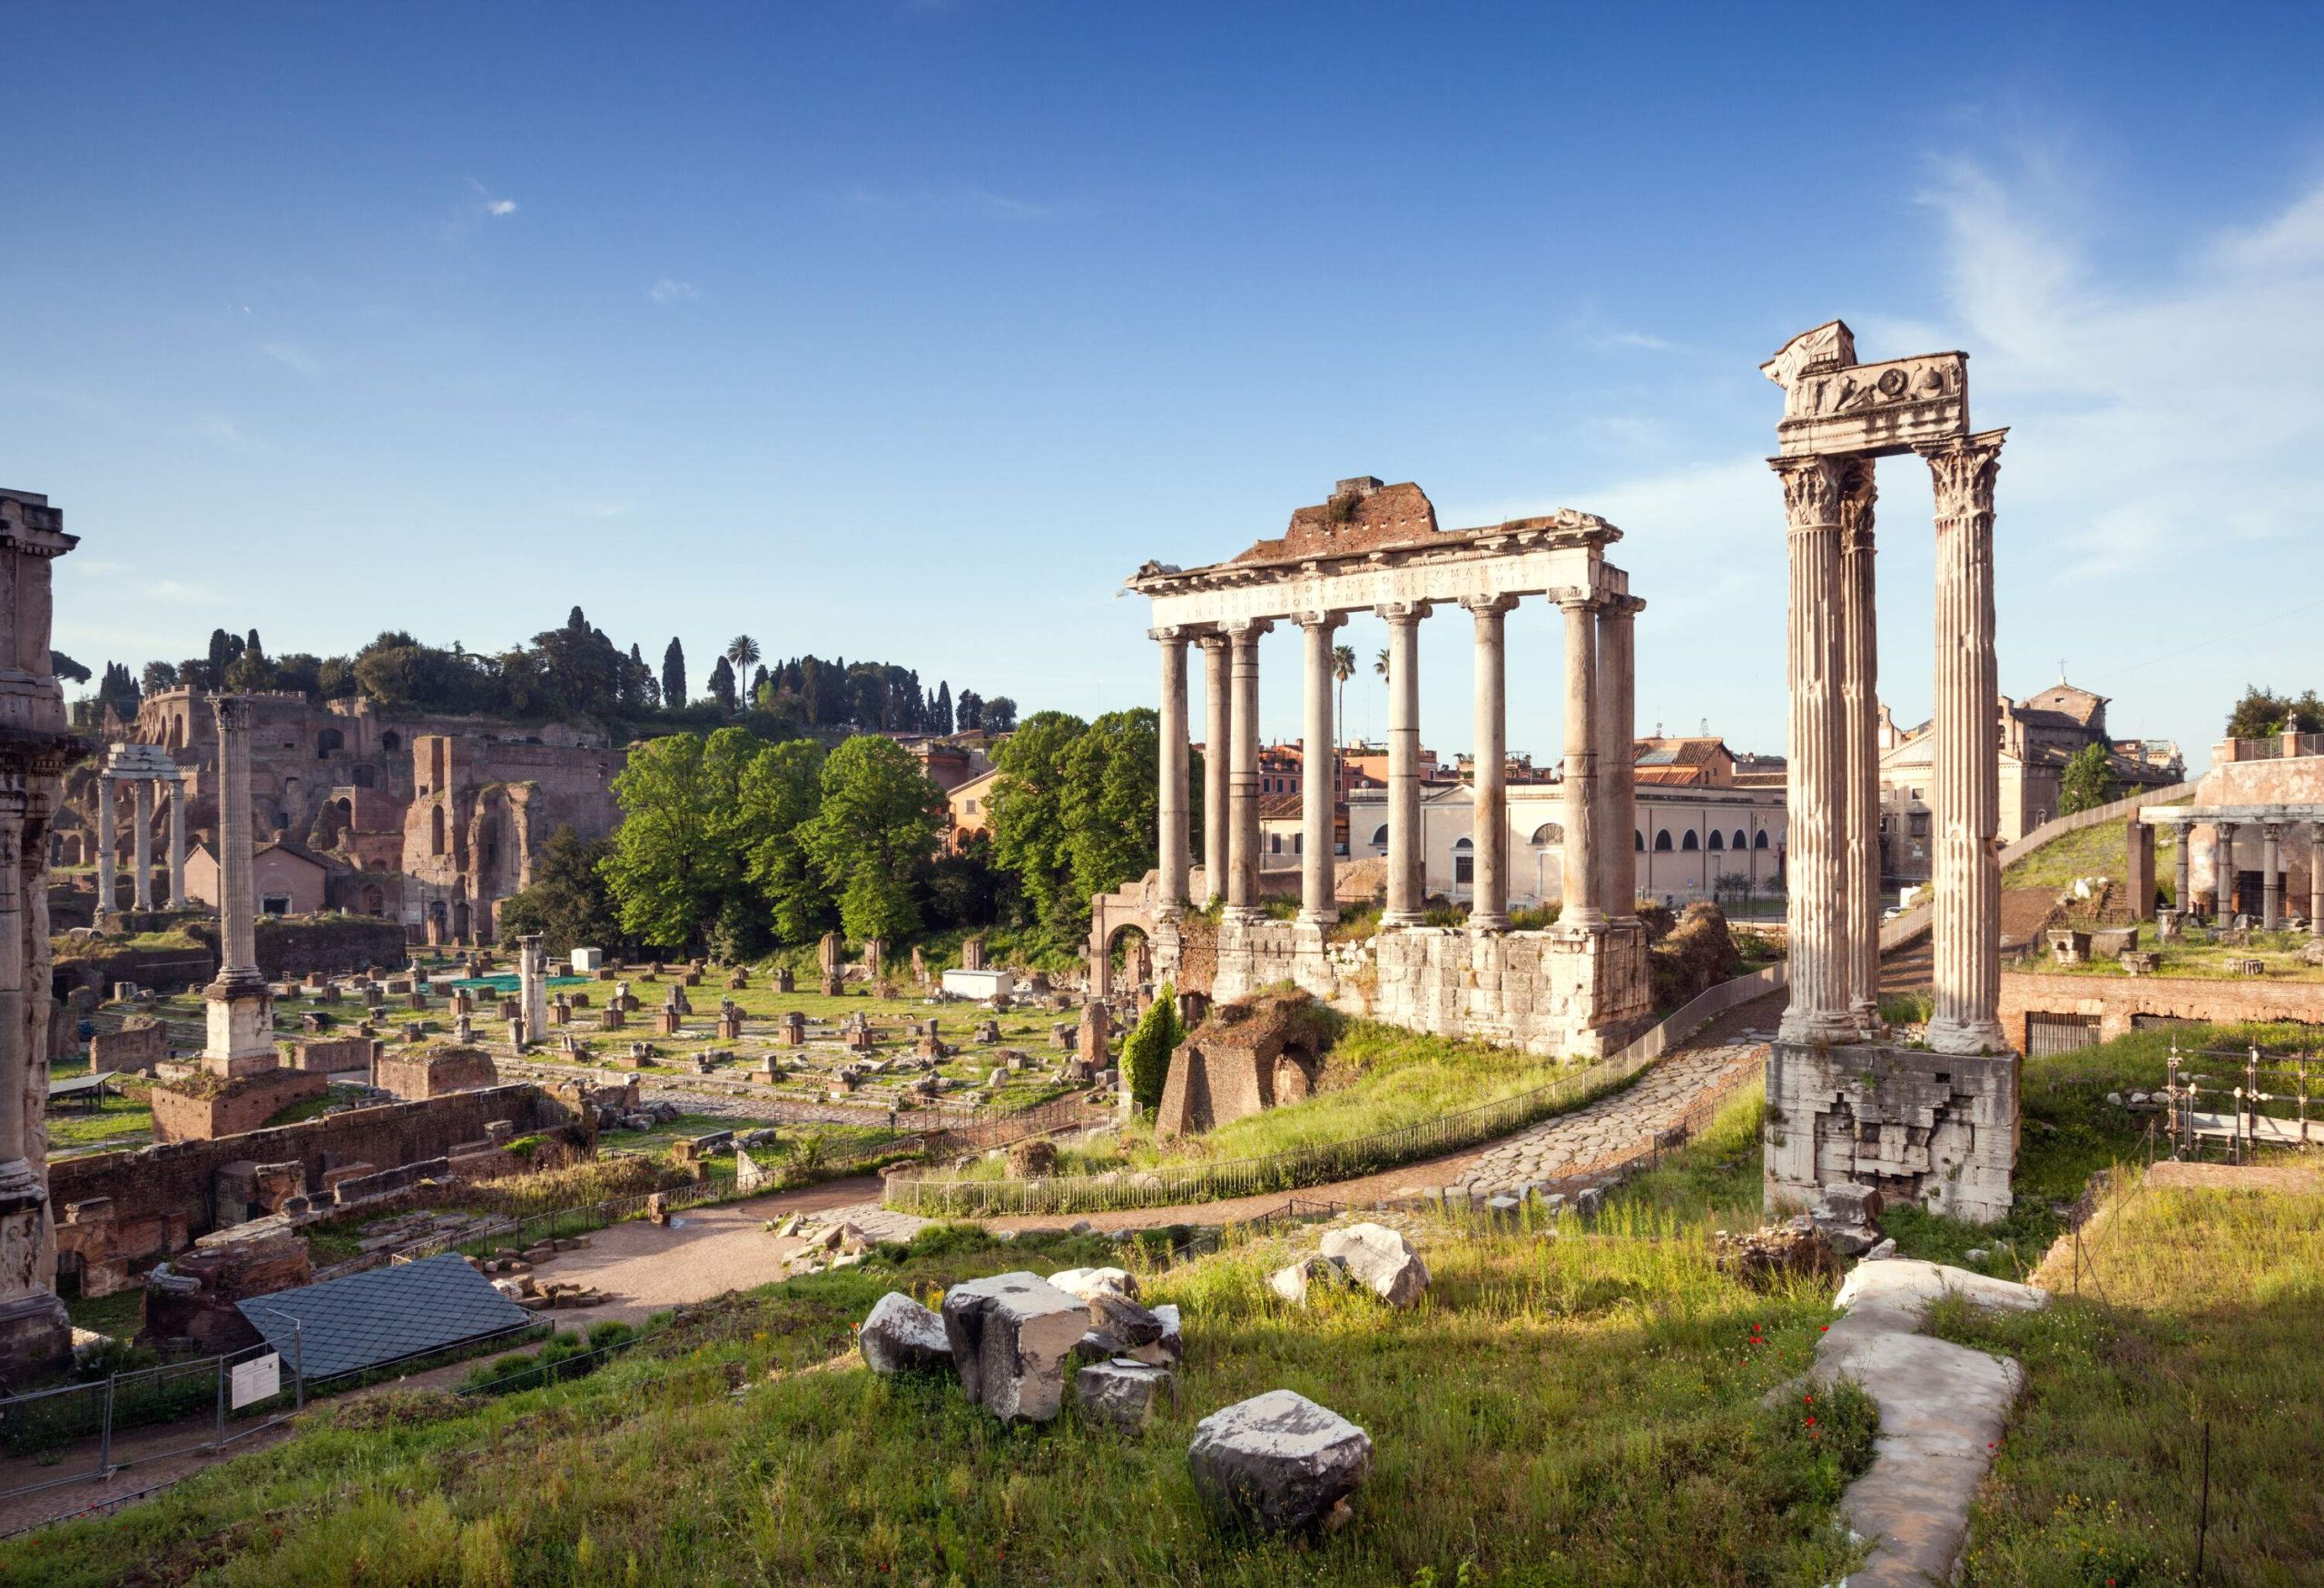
1000	713
2262	714
678	857
569	903
722	683
1112	801
1030	837
781	794
674	674
873	834
2088	780
742	651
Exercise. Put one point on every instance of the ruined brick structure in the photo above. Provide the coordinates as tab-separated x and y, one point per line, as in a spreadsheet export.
361	792
436	1071
1256	1053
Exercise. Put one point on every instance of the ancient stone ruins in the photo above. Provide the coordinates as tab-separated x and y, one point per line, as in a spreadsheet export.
1579	988
1937	1125
34	750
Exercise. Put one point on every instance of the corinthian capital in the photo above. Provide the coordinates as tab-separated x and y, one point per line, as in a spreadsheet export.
234	711
1858	493
1811	489
1963	473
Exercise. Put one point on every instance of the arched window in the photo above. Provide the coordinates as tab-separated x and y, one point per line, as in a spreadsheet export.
1717	841
1380	838
1638	841
1464	860
1662	841
391	741
436	830
1548	833
327	741
1759	839
1689	845
1739	838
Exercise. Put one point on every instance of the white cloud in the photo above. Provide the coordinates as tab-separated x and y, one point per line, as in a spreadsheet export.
490	204
669	289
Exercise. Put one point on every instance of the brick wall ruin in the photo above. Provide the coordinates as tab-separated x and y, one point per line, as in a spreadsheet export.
2115	1002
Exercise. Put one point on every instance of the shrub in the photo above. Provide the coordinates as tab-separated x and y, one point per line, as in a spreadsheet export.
1146	1056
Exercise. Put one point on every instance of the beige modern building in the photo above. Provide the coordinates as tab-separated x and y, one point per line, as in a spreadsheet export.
2039	734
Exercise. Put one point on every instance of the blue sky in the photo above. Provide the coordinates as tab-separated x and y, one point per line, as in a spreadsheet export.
908	330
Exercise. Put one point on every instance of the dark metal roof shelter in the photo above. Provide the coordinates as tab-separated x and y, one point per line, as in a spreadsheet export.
382	1315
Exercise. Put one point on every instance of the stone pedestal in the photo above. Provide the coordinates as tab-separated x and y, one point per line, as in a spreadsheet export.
1939	1130
2138	869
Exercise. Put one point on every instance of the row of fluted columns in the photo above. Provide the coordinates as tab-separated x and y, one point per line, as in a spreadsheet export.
1599	876
2271	882
1833	814
141	843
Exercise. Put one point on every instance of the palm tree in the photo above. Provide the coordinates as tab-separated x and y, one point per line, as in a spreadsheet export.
742	650
1342	669
1380	663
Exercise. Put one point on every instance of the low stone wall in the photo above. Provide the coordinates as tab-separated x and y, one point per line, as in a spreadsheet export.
1547	993
178	1180
2117	1001
163	970
141	1043
432	1072
329	1055
203	1113
289	948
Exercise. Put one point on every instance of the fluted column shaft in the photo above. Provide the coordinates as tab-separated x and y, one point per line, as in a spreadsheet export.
2272	886
1489	804
1819	1007
2223	871
1966	809
1406	905
1172	837
107	836
1617	756
1860	741
1218	729
1243	769
178	900
2316	880
1318	775
2182	868
1582	910
15	1032
237	901
141	844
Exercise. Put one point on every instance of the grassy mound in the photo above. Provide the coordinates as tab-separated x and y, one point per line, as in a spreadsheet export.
1582	1408
2092	852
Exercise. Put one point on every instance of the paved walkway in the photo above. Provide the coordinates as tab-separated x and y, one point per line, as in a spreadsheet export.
1615	1128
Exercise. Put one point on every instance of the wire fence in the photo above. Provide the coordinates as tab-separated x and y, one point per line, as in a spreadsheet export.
2243	1101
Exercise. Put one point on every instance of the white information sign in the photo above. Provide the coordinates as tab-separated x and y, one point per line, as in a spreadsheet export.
256	1379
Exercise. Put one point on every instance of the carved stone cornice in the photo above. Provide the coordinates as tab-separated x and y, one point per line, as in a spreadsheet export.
1811	491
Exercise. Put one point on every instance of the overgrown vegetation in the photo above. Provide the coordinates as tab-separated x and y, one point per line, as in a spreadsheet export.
1585	1409
2092	852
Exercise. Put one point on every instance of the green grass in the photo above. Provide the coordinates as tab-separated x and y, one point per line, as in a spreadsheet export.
2201	957
2209	1315
1581	1409
117	1315
120	1120
2093	851
1378	1078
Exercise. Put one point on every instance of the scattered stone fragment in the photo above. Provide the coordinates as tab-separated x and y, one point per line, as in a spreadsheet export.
1278	1463
1088	1284
1009	1336
1308	1274
1380	1259
1121	1393
1762	1258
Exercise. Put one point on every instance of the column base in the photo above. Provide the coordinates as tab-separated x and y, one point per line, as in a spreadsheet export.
1404	918
1487	923
1966	1038
1309	918
1817	1028
1244	913
35	1336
